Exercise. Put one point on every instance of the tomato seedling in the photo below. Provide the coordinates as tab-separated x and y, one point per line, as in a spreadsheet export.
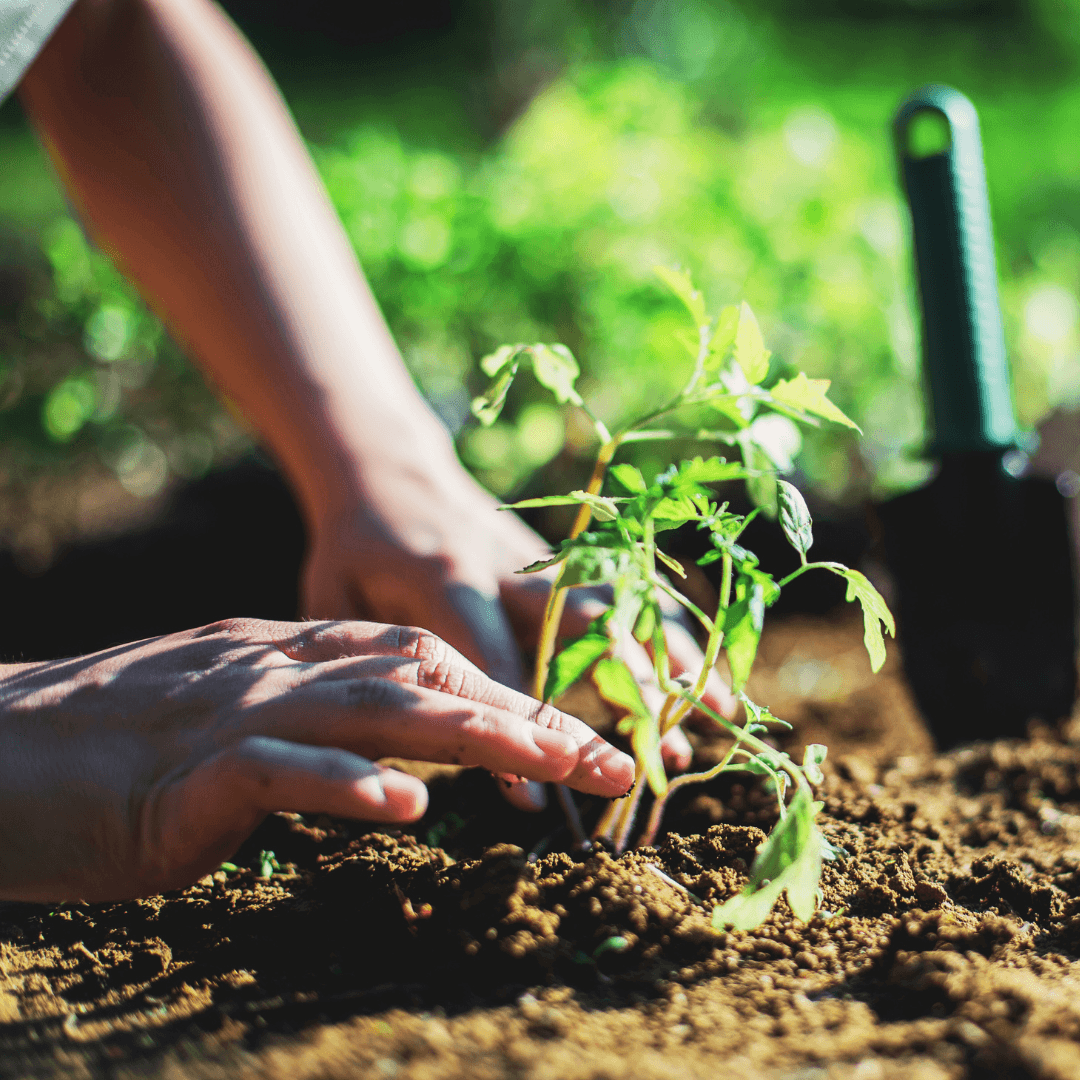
613	543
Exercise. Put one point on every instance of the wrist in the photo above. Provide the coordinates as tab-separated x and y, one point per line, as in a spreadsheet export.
362	459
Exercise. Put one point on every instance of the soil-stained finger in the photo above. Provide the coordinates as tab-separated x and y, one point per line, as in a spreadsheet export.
379	717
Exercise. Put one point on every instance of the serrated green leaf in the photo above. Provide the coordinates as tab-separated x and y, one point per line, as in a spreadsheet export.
770	590
795	517
723	337
673	565
809	396
752	765
488	405
750	352
616	685
875	612
603	509
586	565
575	658
788	862
737	409
629	477
712	470
555	368
646	622
813	756
760	715
742	632
494	362
543	564
680	283
760	481
546	500
670	513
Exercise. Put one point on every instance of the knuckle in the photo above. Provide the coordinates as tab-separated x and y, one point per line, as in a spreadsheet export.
242	629
547	716
418	643
442	676
440	667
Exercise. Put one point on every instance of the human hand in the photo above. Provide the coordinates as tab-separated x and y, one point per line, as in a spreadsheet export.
428	546
139	769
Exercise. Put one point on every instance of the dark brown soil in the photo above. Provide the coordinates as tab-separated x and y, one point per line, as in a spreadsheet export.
947	943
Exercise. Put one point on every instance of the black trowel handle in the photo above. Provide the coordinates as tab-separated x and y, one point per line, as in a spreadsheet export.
967	376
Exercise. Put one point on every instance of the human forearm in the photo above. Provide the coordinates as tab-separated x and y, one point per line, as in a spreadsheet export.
182	159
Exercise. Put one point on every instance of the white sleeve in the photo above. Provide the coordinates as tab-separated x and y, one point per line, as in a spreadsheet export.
25	26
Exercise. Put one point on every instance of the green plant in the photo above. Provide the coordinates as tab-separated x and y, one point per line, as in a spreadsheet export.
613	542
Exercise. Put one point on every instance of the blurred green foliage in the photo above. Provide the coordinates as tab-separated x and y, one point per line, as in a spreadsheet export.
747	143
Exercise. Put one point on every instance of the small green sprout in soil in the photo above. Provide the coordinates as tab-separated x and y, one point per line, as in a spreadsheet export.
613	543
268	864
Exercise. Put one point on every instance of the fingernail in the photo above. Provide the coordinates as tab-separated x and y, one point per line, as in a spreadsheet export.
402	797
617	768
554	743
371	788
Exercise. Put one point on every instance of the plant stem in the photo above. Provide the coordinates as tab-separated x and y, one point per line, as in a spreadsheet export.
605	827
656	435
658	807
628	811
669	718
712	647
836	568
573	818
553	613
678	597
743	736
549	630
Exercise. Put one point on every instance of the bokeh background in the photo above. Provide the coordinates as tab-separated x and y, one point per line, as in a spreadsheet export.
514	169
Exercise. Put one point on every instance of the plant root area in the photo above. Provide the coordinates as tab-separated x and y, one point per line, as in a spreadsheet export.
474	945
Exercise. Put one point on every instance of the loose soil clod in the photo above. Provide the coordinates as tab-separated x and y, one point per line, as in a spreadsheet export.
947	944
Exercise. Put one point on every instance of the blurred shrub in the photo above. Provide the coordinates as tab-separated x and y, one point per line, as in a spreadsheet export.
87	375
705	138
554	235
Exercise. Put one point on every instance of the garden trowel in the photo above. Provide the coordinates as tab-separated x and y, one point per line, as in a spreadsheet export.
981	555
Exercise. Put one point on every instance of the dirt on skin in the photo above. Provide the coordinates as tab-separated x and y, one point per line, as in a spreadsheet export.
946	945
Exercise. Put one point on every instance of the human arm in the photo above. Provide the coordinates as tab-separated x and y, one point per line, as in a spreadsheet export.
184	163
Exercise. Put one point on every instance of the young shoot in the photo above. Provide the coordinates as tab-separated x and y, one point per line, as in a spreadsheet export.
613	543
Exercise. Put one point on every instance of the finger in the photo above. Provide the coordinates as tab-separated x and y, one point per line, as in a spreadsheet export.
676	751
383	718
473	623
415	657
272	774
686	659
215	806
